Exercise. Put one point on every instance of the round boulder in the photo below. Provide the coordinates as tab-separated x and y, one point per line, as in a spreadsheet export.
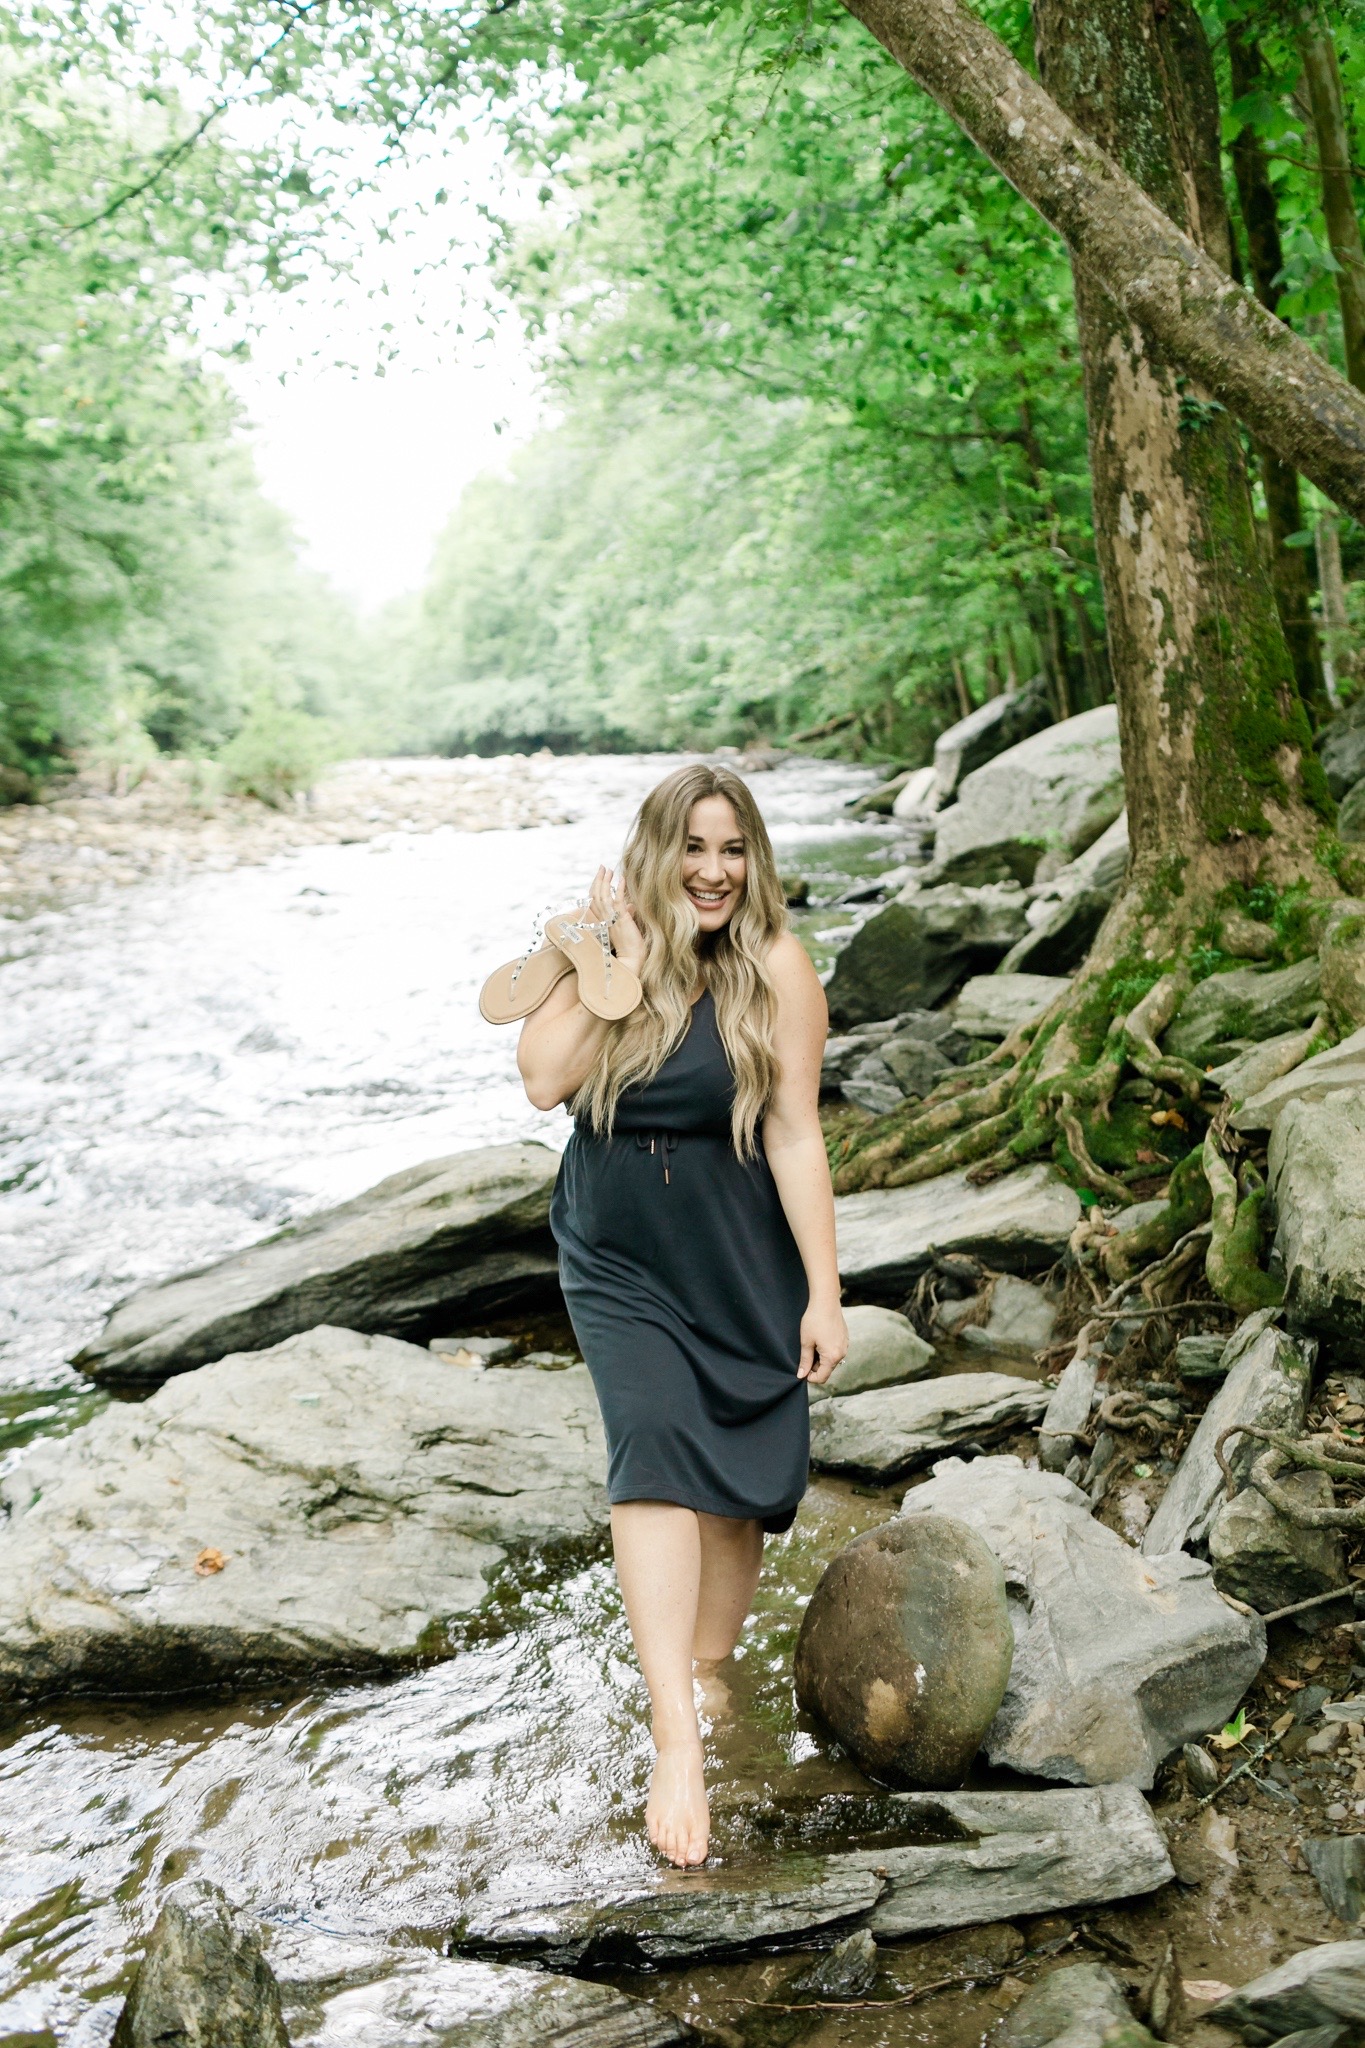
905	1649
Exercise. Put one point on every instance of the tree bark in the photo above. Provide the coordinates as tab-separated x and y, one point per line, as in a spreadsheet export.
1157	274
1284	504
1216	746
1323	79
1332	583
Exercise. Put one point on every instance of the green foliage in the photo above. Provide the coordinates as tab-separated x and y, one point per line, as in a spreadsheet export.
143	579
277	752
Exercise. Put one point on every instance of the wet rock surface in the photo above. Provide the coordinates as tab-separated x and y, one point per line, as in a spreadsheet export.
340	1502
1119	1658
1058	790
337	1993
961	1857
1019	1224
905	1650
1317	1173
1266	1383
1313	1989
203	1981
896	1430
426	1248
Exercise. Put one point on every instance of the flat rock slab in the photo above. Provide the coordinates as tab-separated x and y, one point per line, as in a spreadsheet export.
1317	1172
1245	1003
1340	1069
340	1993
968	1858
993	1005
1018	1224
1313	1989
1267	1384
1118	1658
348	1499
895	1430
425	1250
884	1350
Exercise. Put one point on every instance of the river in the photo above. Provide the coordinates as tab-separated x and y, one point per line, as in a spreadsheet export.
183	1066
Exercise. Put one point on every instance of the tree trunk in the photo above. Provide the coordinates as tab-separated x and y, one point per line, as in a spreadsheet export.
1284	505
1323	79
1332	584
1158	275
1216	746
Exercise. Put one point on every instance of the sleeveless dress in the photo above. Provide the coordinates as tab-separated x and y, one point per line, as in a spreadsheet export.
686	1293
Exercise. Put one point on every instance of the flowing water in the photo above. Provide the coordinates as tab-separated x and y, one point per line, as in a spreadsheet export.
183	1066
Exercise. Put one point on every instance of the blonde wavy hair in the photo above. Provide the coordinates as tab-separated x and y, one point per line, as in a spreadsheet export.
732	961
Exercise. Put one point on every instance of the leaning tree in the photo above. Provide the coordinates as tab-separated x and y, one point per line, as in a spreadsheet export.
1228	808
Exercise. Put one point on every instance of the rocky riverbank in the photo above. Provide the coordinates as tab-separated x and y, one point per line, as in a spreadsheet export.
89	831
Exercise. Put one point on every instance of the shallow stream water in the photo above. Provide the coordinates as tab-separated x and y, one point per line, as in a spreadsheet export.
183	1066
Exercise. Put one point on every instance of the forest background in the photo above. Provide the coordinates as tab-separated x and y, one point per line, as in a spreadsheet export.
819	467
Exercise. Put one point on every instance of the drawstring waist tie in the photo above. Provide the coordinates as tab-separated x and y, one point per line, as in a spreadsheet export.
658	1144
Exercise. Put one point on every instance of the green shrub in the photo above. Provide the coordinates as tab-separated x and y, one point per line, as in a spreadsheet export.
277	753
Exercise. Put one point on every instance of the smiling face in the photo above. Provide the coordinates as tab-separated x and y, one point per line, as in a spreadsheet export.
713	865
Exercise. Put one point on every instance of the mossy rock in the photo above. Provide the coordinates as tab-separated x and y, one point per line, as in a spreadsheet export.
1243	1006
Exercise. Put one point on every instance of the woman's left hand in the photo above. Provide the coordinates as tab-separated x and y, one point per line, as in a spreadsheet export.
824	1342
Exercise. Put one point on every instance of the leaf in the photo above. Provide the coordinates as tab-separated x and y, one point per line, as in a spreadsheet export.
1205	1989
1235	1732
209	1562
1283	1724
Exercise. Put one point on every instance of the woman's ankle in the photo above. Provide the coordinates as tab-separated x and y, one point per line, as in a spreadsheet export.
675	1736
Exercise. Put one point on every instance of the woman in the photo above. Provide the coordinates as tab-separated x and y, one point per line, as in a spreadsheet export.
695	1224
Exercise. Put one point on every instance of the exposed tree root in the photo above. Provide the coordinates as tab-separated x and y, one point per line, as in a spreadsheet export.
1338	1460
1144	1023
1070	1126
1233	1266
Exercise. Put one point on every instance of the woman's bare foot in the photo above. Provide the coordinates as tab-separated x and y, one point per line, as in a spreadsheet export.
677	1816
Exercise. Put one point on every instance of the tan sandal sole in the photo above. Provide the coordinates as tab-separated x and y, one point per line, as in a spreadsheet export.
512	991
606	986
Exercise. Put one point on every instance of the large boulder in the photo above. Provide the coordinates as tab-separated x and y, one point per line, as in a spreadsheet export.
1018	1224
1264	1558
1341	749
884	1350
994	1005
1119	1658
1060	941
1341	957
1082	2006
894	1430
338	1503
1056	792
1339	1070
351	1992
962	1859
433	1246
1225	1013
992	729
1315	1988
921	945
1267	1381
905	1648
1317	1173
204	1981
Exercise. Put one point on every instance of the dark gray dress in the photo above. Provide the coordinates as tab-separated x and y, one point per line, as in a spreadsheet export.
686	1292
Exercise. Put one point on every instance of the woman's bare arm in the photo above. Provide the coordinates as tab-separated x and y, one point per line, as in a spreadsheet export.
795	1148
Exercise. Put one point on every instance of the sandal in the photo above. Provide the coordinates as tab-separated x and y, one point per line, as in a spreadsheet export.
606	986
511	992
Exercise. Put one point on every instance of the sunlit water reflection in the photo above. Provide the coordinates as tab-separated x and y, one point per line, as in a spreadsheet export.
181	1066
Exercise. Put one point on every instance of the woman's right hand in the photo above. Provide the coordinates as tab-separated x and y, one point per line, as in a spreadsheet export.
605	902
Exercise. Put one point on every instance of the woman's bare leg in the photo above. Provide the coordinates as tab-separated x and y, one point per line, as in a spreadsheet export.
658	1562
731	1560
